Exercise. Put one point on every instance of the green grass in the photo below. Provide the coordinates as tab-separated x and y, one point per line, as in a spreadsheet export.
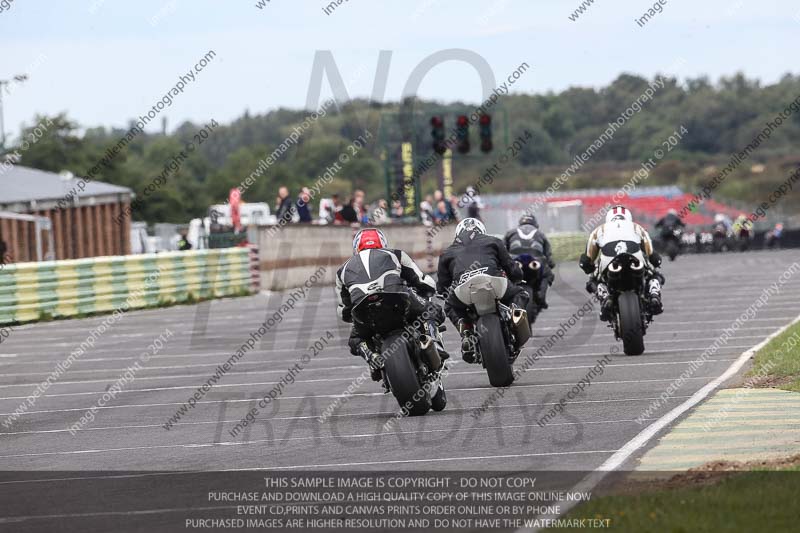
746	501
781	358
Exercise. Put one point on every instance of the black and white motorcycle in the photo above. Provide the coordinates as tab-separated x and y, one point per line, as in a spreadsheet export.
624	270
500	330
412	366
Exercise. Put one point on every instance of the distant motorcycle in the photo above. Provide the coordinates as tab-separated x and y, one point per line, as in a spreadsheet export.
671	241
411	363
743	238
773	237
501	331
721	238
622	267
533	273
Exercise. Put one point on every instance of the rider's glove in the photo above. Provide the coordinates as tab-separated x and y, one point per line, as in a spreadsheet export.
591	286
586	264
375	361
655	259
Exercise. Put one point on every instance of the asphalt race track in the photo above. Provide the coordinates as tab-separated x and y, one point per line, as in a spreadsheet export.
703	295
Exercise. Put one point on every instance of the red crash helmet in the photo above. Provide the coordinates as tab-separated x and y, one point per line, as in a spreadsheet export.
368	239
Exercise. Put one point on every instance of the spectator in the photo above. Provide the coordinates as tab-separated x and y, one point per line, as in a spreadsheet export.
359	203
445	215
183	242
381	213
283	206
329	207
455	214
426	210
349	212
441	214
397	209
303	210
337	210
474	203
3	251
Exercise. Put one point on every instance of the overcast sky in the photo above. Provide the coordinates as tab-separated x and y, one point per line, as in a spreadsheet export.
106	61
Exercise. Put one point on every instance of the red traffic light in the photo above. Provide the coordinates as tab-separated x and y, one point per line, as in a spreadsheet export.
485	120
437	122
462	121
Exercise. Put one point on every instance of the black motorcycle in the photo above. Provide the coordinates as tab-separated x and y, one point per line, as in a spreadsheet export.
500	330
743	239
671	241
533	273
411	363
721	238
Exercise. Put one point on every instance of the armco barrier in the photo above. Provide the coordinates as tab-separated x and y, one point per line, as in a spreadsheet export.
58	289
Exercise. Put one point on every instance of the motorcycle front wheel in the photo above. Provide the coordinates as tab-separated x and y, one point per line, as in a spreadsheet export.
412	397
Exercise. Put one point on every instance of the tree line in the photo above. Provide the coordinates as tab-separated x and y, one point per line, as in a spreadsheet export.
720	119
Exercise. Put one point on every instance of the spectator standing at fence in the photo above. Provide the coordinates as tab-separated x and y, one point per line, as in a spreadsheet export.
283	206
441	214
380	215
336	207
360	205
3	251
455	214
183	243
349	212
397	209
303	210
426	210
474	203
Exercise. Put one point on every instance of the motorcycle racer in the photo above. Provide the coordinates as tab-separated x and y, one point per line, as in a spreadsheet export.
375	268
528	239
473	251
619	227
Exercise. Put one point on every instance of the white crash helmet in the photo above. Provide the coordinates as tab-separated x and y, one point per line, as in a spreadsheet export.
619	212
470	224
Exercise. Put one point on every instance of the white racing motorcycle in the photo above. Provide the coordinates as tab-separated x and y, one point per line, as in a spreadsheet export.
622	267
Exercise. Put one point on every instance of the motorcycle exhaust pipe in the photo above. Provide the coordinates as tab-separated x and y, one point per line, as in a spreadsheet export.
522	329
430	354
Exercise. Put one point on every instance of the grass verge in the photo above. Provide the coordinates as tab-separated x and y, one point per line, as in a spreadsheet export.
779	362
758	500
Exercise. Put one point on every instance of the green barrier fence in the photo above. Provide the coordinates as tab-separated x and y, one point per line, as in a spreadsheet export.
568	246
59	289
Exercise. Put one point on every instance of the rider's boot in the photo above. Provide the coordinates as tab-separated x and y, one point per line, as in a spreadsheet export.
372	359
654	297
604	297
468	340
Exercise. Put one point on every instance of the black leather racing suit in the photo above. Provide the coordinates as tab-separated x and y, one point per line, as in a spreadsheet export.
472	251
381	270
670	221
530	240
